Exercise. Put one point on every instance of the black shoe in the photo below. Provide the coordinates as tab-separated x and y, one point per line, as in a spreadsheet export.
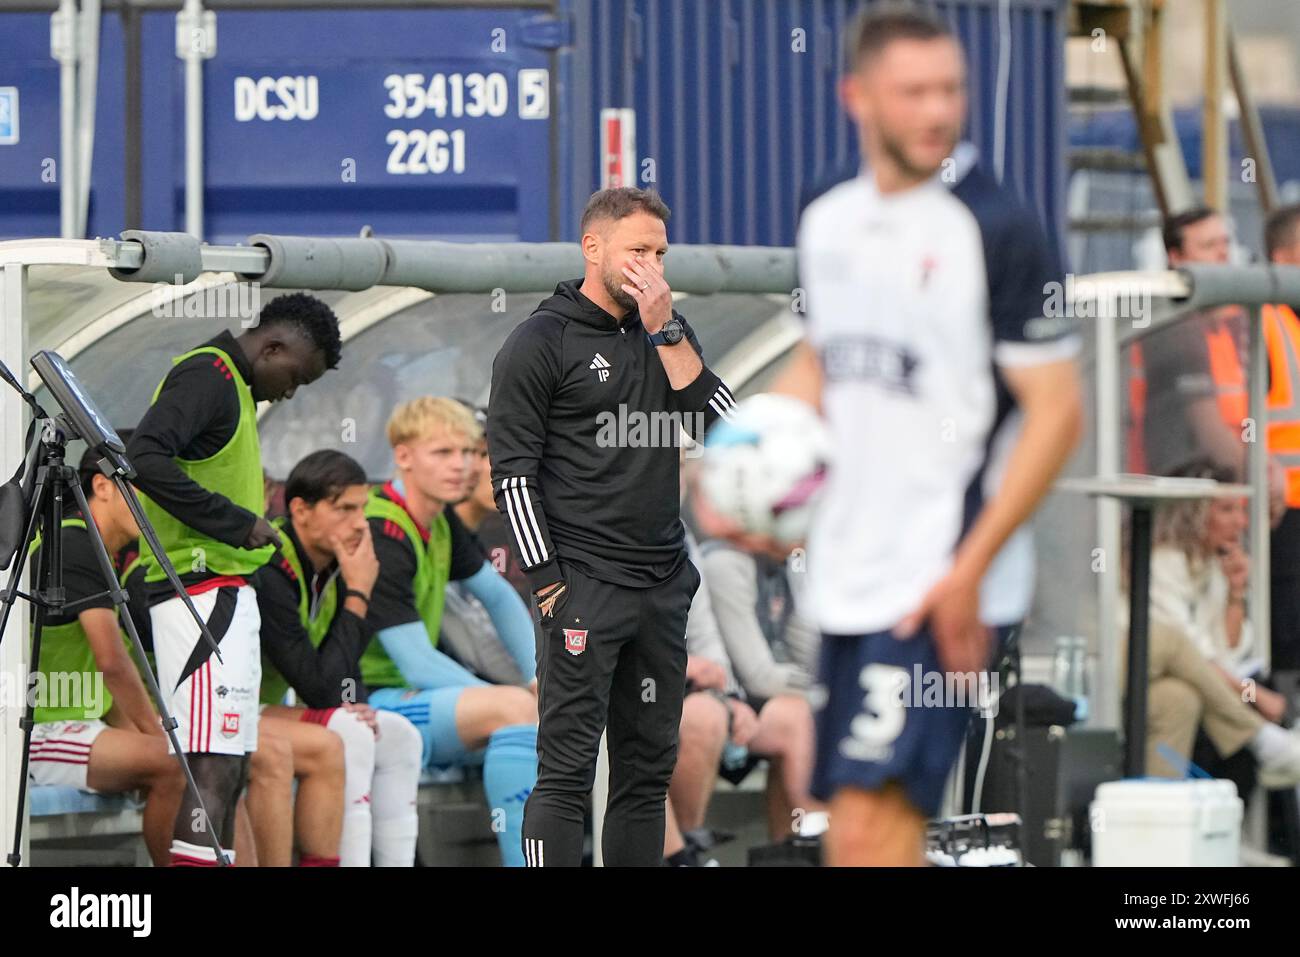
706	838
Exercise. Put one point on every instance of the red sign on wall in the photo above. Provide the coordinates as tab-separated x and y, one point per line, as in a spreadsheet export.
618	148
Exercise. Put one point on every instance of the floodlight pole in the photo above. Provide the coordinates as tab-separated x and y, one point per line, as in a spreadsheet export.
196	41
64	49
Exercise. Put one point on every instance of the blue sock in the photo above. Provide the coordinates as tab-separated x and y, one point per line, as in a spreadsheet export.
509	773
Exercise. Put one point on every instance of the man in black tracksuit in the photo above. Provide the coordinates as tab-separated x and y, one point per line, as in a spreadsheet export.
589	396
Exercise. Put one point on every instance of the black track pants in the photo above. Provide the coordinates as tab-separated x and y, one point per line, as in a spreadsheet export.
615	655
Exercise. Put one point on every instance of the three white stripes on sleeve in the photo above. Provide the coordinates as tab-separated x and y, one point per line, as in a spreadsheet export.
722	401
534	852
528	534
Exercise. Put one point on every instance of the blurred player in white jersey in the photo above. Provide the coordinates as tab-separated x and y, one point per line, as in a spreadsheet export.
926	285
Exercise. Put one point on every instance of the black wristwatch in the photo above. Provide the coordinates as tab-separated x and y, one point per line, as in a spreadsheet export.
672	333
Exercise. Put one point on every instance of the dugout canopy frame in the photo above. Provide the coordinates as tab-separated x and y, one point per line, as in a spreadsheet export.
71	294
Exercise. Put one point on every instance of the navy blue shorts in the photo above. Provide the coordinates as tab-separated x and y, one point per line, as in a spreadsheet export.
878	724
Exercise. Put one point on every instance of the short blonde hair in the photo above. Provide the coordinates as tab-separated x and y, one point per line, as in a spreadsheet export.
419	418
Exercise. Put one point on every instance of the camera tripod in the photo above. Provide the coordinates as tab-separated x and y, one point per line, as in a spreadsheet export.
51	483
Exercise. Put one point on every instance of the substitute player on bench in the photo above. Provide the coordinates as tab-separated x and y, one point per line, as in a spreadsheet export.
114	741
421	545
200	466
313	596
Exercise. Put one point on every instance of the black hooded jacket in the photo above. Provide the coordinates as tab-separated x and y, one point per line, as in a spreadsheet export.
583	435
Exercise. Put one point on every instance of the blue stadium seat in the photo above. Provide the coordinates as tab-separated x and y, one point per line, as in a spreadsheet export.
46	801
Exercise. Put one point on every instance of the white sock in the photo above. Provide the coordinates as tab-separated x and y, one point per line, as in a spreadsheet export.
1270	742
358	768
398	754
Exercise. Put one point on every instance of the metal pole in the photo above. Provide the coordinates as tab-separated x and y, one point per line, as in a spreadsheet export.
1142	55
87	85
132	189
1257	476
63	48
1135	705
196	37
194	146
1214	126
1252	131
13	644
1108	518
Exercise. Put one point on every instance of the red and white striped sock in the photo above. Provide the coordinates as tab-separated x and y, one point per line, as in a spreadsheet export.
185	854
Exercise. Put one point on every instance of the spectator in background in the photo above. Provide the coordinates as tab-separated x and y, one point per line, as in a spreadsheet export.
1188	396
1201	648
1282	336
1194	398
273	494
1184	692
712	716
1199	575
773	650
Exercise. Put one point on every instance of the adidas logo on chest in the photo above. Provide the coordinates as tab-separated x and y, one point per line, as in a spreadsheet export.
601	366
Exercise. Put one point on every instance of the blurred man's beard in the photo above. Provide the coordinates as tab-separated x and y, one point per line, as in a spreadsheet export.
896	151
614	286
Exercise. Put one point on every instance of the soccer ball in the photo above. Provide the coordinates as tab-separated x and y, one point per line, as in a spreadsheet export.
764	467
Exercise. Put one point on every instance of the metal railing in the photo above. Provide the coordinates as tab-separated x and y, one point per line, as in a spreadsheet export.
1166	298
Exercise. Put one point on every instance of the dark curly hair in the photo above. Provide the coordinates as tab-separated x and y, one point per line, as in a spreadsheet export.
311	317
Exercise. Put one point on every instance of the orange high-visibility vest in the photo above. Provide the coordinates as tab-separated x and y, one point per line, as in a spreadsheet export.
1229	377
1282	337
1231	395
1137	410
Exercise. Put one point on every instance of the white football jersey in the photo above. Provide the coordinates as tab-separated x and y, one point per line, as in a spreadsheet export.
915	299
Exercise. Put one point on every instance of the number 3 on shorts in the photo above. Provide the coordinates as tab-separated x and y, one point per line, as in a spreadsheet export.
882	716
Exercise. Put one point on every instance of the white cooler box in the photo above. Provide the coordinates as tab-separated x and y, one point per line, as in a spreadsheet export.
1160	823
